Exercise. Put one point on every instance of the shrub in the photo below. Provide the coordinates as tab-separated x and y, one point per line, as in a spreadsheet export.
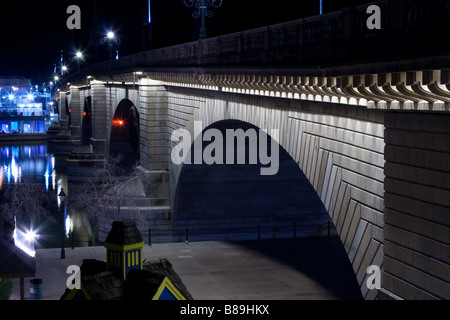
6	286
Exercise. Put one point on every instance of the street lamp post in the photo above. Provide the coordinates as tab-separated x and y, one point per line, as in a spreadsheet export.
62	197
111	41
203	10
79	57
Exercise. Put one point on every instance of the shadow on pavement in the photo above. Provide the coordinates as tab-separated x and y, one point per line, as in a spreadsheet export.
321	258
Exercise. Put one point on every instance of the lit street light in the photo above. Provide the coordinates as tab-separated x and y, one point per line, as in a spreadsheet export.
111	41
79	57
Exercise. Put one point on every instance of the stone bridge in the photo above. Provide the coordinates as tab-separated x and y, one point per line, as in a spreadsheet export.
368	127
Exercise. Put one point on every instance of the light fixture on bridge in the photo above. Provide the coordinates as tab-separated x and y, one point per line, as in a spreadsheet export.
203	10
79	58
111	41
119	122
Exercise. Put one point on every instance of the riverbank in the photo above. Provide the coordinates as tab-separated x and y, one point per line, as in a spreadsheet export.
8	138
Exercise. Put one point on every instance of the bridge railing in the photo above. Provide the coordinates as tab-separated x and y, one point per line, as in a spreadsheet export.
409	27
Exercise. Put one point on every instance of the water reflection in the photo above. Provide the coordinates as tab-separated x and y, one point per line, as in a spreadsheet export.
32	164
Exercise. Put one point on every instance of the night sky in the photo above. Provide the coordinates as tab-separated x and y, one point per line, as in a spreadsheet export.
33	33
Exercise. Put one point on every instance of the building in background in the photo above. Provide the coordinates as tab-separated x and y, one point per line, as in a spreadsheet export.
23	108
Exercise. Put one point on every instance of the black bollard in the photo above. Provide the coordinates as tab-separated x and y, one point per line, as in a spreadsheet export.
150	237
187	236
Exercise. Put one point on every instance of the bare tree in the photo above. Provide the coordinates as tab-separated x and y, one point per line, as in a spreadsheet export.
27	203
110	194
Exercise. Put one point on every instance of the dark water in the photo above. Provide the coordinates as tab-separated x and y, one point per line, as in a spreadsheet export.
31	163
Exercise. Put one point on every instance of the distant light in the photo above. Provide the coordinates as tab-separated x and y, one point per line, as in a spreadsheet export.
118	122
64	68
110	35
11	97
56	78
30	96
79	54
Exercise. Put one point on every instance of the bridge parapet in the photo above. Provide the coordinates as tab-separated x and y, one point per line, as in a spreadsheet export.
338	38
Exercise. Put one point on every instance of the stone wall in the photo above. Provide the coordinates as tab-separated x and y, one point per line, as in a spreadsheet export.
417	205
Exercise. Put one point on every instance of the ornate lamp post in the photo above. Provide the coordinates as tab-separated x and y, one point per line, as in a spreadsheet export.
203	10
110	41
62	196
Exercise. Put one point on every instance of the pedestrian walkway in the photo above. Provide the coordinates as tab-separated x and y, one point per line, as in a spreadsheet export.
284	269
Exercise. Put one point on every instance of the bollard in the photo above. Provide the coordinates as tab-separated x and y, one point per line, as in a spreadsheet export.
187	236
150	237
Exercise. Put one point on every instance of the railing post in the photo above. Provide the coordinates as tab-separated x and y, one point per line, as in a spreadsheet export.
187	236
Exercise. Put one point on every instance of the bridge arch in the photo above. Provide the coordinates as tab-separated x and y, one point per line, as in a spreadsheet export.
230	194
326	143
86	132
124	140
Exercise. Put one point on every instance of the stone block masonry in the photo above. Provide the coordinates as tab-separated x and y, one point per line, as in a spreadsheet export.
417	205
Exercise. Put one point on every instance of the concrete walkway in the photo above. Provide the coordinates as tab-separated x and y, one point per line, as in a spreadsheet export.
285	269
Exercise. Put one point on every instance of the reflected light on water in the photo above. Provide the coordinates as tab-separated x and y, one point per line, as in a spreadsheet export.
69	226
32	163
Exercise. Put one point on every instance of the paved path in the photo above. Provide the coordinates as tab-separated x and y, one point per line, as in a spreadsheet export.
286	269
